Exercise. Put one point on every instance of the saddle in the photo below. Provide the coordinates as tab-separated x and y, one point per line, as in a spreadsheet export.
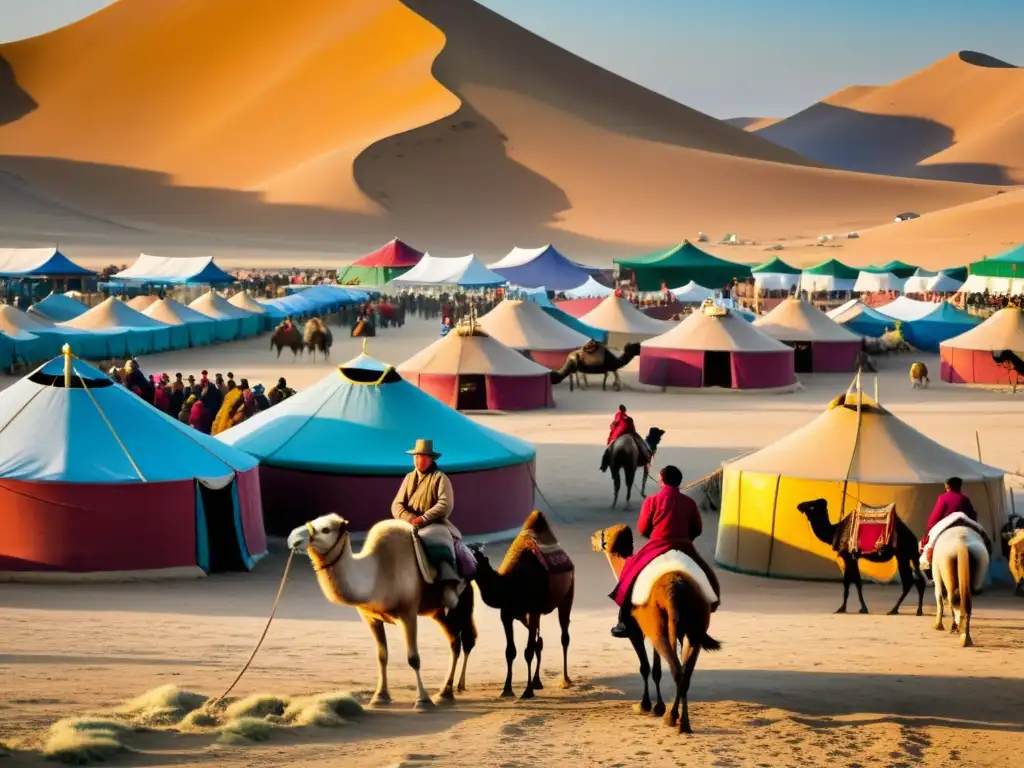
871	530
551	556
592	354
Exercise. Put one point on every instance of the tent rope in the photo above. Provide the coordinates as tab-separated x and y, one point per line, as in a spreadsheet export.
856	443
110	426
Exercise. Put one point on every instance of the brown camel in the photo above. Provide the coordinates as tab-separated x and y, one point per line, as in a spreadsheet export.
385	584
1016	559
317	336
904	548
535	578
286	335
594	358
675	612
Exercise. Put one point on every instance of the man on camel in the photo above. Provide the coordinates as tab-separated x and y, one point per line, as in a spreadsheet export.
426	500
670	521
622	424
948	503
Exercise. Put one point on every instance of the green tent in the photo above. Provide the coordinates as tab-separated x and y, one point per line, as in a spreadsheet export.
1009	264
680	264
775	267
382	266
899	268
833	268
957	273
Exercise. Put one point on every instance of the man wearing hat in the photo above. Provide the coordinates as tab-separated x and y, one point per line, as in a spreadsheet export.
425	501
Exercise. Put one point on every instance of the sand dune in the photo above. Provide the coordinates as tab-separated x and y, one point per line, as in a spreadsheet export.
334	125
751	123
960	119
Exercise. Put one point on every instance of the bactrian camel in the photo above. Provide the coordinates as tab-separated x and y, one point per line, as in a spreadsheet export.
286	334
317	336
959	565
383	581
676	612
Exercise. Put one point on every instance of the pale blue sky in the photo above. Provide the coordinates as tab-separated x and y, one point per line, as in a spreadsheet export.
728	58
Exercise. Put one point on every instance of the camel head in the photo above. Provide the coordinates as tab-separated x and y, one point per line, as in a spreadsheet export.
654	436
617	540
478	555
814	509
320	536
631	351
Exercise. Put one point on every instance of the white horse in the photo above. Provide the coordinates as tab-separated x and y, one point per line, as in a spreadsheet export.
959	567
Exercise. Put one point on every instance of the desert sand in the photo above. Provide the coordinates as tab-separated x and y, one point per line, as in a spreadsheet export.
793	685
263	133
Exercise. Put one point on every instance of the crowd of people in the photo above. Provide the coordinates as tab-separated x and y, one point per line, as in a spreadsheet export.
208	405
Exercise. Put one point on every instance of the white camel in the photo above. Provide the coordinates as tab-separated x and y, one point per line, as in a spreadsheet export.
384	582
959	567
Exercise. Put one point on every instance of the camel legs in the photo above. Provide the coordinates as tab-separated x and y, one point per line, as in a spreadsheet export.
510	652
683	686
537	685
532	634
630	472
408	625
616	485
851	575
455	643
965	582
908	580
381	696
940	608
564	612
637	639
616	381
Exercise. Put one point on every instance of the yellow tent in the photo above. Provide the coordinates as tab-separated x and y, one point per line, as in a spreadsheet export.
761	531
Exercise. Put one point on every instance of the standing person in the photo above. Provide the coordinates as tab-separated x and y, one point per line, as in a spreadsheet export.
669	520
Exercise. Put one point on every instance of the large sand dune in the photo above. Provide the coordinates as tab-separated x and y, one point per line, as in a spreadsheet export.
334	124
961	119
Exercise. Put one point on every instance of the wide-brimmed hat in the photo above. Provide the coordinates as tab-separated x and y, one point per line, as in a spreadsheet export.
424	448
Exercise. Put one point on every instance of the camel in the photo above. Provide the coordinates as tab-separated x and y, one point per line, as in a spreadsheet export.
287	334
624	455
597	359
959	566
384	582
535	578
676	610
1016	559
918	375
904	549
318	336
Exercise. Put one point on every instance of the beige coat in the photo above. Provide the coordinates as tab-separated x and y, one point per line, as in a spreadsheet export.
434	504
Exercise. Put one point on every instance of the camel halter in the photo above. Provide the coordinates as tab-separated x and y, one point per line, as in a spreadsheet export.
341	549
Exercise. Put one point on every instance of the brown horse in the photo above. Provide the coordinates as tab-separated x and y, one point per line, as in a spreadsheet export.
535	578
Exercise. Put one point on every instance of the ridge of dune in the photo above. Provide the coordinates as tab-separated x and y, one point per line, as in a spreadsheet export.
751	123
960	119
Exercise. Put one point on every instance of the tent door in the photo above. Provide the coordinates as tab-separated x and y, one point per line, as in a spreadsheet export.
472	393
802	356
221	534
718	369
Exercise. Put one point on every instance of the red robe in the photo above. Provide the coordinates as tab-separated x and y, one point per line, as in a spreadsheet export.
621	425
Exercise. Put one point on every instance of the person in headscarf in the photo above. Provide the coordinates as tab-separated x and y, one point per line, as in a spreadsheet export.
225	415
199	417
211	397
261	399
161	399
248	407
185	412
279	392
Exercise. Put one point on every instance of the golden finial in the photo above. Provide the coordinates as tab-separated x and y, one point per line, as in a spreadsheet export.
365	340
66	351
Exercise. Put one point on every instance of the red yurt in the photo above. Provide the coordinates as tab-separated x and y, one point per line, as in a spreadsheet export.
470	371
990	353
715	347
523	326
820	344
96	483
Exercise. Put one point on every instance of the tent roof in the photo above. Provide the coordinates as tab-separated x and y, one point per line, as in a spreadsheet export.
195	270
691	292
525	325
170	312
798	320
142	303
244	300
685	254
466	271
1002	331
775	267
617	315
833	268
112	314
716	333
38	262
13	320
889	451
392	254
212	304
97	434
544	266
361	419
1008	264
58	307
908	310
844	313
464	353
589	290
878	280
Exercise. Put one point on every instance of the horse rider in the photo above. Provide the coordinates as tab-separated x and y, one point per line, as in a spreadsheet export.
425	500
669	520
622	424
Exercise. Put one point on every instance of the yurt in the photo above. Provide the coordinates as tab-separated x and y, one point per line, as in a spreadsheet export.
625	323
142	303
858	317
926	324
58	308
142	335
525	327
715	347
470	371
89	346
820	344
201	329
342	446
121	489
244	301
883	461
990	353
232	322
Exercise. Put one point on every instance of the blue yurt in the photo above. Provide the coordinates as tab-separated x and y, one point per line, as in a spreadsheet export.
926	324
342	446
119	488
858	317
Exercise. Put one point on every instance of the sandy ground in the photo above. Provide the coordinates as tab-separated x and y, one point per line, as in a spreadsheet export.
793	686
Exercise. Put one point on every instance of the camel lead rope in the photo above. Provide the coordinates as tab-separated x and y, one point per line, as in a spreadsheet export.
273	610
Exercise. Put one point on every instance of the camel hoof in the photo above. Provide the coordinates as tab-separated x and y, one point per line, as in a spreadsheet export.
566	683
643	708
938	626
507	694
527	694
445	699
659	709
424	705
893	612
841	609
671	718
537	685
685	728
965	641
380	700
461	688
954	629
863	610
920	612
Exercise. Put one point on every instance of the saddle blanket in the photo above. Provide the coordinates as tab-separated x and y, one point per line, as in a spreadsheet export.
554	559
957	519
873	529
434	544
672	561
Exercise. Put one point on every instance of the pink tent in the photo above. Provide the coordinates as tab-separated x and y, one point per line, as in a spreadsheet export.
469	370
715	348
970	358
820	344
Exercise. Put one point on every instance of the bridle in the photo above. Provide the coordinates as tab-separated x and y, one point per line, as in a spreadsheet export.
339	543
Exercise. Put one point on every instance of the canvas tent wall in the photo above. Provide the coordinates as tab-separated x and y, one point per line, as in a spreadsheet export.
760	529
201	330
89	346
776	275
38	262
1007	266
18	347
58	308
872	281
861	319
679	265
167	270
126	490
232	322
714	347
524	326
691	293
970	358
926	324
382	266
820	344
470	371
624	323
464	271
370	417
831	275
541	267
142	335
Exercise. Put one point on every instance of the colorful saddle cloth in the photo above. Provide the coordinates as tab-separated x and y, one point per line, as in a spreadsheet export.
871	530
551	556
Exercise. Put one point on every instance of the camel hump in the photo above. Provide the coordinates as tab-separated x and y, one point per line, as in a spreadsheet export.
537	524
